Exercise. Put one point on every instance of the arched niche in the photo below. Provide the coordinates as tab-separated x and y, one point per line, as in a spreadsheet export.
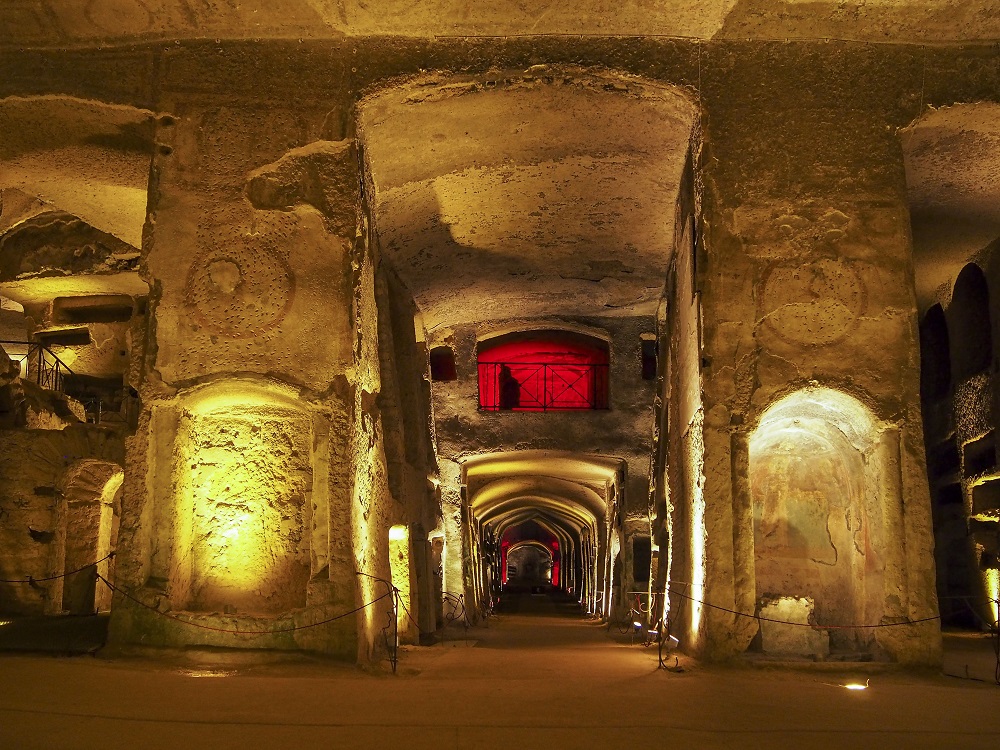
529	563
242	482
969	324
818	490
530	552
92	495
935	355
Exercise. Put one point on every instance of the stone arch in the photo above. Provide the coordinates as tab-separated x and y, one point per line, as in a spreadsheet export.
532	558
566	494
91	492
935	355
968	315
89	158
819	470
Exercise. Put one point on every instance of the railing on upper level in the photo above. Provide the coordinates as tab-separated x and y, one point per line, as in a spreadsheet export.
103	403
542	386
38	363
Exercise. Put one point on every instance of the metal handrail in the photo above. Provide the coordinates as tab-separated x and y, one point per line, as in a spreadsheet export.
48	369
547	386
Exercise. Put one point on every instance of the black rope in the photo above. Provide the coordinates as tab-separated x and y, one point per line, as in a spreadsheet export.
393	622
169	616
759	618
994	629
31	580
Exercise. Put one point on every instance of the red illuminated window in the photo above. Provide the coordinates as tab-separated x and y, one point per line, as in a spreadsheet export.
543	371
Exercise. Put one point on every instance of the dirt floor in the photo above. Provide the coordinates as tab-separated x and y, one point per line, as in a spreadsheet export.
538	676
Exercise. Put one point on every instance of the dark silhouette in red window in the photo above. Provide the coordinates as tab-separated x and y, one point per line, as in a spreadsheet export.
510	389
543	371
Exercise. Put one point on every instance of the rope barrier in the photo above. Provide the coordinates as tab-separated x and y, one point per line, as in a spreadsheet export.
393	591
803	624
169	616
30	580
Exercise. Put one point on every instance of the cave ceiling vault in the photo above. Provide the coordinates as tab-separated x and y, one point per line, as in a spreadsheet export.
551	194
569	491
60	23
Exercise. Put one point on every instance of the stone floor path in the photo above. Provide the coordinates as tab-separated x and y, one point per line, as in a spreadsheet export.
540	675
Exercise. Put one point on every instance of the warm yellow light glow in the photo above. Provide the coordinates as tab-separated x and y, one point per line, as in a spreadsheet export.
399	565
105	543
242	478
697	558
5	622
67	355
811	412
992	577
857	685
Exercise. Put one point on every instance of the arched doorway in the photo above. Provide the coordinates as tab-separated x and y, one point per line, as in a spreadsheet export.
92	495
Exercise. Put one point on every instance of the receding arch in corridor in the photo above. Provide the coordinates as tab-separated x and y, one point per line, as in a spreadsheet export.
561	503
531	200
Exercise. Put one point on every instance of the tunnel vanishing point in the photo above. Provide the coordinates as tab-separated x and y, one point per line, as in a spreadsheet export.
684	303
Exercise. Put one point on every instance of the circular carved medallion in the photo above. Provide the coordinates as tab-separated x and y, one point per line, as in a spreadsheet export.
240	290
818	302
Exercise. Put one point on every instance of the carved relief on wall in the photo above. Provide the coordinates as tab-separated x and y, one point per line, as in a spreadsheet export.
817	301
241	288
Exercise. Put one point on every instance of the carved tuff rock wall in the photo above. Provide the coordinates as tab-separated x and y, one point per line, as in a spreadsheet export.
281	351
60	508
959	392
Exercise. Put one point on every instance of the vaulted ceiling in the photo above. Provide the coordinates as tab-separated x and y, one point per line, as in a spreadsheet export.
952	158
553	193
61	22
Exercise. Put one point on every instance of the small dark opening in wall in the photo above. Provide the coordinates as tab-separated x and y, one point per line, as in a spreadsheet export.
980	455
943	458
443	363
642	556
648	359
950	494
969	327
64	337
110	308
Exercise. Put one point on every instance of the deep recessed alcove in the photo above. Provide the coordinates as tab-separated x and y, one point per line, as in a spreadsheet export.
242	476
